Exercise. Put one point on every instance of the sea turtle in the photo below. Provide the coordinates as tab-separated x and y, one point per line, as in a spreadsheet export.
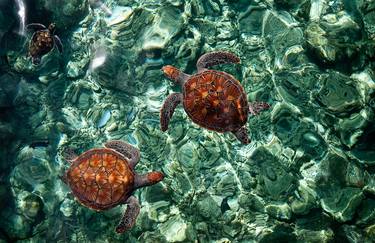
42	41
213	99
102	178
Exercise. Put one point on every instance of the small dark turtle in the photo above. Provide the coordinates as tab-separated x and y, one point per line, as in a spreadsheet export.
214	100
102	178
42	41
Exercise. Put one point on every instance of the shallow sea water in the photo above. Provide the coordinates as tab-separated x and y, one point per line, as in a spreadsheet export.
308	174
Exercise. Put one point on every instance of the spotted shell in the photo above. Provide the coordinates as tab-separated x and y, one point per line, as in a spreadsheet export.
41	43
215	100
100	178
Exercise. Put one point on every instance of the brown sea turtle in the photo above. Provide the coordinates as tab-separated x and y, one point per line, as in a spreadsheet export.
102	178
42	41
213	99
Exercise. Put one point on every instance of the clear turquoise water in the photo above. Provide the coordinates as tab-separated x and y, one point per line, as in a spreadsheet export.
306	176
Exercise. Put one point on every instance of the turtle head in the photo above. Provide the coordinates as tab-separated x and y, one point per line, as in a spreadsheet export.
154	177
52	27
171	72
148	179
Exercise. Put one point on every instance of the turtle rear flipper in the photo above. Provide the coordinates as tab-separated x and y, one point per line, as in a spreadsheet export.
258	106
216	58
130	215
35	26
168	108
241	134
58	43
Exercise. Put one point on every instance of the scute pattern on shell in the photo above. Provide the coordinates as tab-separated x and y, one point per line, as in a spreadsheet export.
100	178
216	100
42	42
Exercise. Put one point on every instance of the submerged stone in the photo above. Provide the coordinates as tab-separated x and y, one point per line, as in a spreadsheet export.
343	204
279	211
174	230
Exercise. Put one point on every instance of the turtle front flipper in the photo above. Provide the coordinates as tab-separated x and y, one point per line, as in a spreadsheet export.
58	43
69	155
35	26
168	108
241	134
129	151
215	58
258	106
148	179
130	215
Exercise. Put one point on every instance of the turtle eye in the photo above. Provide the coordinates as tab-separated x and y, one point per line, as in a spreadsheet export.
52	26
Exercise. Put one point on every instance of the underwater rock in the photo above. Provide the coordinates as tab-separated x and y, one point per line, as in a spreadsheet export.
350	233
370	184
8	89
208	208
17	226
279	211
355	176
334	38
367	9
370	232
281	232
351	128
30	205
338	94
6	131
304	200
250	22
225	185
174	230
210	151
366	212
65	14
321	236
363	150
342	204
251	201
288	121
77	68
315	227
187	155
294	85
247	180
32	169
67	207
288	4
273	178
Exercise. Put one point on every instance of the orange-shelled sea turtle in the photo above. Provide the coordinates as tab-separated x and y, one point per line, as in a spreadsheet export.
212	99
102	178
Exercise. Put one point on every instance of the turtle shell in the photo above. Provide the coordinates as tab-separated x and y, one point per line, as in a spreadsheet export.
216	100
100	178
41	43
